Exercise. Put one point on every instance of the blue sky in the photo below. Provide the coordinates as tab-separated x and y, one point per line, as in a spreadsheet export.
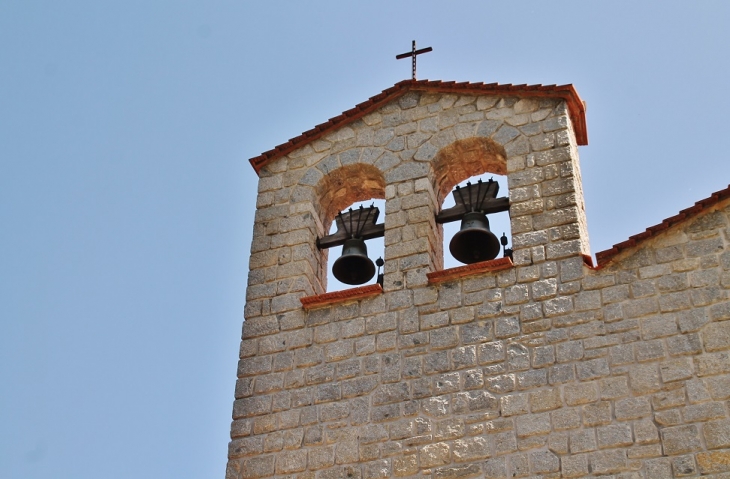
126	198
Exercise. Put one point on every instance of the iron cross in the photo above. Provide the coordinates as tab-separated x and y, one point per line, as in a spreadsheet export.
413	54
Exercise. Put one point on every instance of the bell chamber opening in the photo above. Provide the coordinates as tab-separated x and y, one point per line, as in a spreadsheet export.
476	236
355	263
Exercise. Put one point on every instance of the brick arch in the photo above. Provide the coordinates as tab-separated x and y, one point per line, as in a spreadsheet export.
346	185
463	159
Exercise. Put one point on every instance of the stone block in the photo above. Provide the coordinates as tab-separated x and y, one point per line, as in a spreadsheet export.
592	369
681	439
676	369
569	351
597	414
253	406
649	350
543	356
566	418
444	338
261	466
716	336
684	344
500	384
614	435
717	434
437	362
657	468
606	462
291	461
457	472
718	386
533	424
476	332
512	404
713	363
644	379
435	320
621	354
558	442
587	300
713	462
583	440
473	379
703	412
632	408
580	393
465	356
692	320
519	465
405	466
684	465
434	454
506	327
645	432
544	462
493	352
574	466
470	449
545	400
531	379
544	289
557	306
496	468
614	387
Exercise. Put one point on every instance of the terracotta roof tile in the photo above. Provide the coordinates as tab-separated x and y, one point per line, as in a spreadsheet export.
604	257
576	108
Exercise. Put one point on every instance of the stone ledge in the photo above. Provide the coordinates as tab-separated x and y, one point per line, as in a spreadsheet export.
321	300
469	270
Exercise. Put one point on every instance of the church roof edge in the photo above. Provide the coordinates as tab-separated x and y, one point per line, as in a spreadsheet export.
576	108
606	256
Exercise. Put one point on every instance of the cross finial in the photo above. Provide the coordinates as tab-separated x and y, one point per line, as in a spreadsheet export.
413	54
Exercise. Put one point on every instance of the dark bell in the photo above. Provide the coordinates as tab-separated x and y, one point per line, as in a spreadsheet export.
474	242
354	266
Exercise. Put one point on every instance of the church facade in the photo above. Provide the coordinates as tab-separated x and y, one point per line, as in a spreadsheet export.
539	365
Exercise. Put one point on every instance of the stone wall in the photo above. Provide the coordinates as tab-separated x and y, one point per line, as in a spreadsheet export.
547	369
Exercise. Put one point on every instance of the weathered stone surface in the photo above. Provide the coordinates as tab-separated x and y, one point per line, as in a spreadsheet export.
547	368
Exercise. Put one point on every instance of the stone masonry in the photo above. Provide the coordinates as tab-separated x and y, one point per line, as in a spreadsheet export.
549	368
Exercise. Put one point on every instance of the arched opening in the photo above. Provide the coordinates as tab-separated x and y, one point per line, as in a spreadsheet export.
345	186
348	187
468	161
464	159
375	246
499	223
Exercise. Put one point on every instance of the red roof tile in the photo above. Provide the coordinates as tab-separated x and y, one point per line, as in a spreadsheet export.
604	257
576	108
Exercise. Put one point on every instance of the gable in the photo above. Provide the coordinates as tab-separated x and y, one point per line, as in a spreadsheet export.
567	93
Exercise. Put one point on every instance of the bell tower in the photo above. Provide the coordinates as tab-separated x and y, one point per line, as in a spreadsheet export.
532	362
416	376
